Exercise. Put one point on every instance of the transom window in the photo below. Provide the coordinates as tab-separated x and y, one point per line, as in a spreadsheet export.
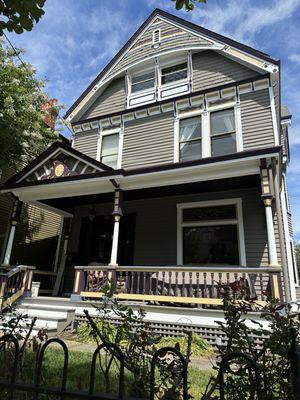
174	73
190	147
223	133
110	150
143	82
210	234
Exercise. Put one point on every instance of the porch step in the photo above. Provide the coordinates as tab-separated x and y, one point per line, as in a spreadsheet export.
53	317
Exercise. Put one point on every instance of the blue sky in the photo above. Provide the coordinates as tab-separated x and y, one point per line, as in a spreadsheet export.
76	38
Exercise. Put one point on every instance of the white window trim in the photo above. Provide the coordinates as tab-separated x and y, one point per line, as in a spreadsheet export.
205	120
108	132
238	221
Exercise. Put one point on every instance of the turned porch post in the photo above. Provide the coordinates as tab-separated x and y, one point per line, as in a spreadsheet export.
267	198
117	214
15	218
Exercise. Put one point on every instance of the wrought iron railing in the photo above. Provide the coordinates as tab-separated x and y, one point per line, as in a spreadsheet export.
178	284
13	283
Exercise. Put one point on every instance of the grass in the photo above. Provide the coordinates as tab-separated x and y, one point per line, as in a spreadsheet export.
79	374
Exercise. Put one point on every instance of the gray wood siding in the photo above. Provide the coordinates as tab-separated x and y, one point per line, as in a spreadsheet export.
211	69
87	142
257	125
171	37
148	141
112	99
156	226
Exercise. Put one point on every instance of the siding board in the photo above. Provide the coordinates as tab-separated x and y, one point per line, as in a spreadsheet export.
148	141
112	99
211	69
257	125
87	142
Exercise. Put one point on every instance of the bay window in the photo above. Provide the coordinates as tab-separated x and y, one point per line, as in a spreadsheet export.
110	149
222	132
190	146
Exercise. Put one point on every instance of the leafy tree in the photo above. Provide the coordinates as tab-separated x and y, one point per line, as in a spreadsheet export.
188	4
23	132
20	15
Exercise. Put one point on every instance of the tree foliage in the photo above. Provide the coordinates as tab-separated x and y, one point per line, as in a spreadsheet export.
19	15
189	5
23	132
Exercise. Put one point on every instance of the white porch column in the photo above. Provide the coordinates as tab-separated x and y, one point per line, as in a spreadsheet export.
117	213
15	218
273	260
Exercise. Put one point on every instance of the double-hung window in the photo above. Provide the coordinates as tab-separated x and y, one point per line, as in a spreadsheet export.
143	82
109	153
174	73
209	234
222	132
190	147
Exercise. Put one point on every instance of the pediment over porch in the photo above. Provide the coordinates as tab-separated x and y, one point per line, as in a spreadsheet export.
58	161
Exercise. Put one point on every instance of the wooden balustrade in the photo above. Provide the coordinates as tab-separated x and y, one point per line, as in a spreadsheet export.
13	283
178	284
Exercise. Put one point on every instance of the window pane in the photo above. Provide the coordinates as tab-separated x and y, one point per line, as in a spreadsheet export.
142	78
190	128
111	161
174	73
209	213
190	150
142	86
211	245
110	144
222	121
223	144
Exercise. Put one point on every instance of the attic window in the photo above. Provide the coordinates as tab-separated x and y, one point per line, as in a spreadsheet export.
156	37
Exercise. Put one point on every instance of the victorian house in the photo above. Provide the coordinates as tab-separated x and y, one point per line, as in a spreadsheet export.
175	180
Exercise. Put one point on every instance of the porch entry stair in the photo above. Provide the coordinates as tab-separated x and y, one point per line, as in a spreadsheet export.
51	316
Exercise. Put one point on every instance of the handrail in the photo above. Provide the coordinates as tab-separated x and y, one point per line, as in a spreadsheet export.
179	268
14	283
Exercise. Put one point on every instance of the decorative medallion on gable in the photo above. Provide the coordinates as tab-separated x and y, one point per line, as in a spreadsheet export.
59	166
171	36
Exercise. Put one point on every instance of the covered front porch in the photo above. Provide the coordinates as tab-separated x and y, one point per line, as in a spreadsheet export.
165	235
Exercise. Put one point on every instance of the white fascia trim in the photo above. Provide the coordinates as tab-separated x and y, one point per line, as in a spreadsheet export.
288	247
274	118
238	221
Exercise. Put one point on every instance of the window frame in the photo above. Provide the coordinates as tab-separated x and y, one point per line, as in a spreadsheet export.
108	132
223	133
238	221
206	130
191	140
176	82
151	89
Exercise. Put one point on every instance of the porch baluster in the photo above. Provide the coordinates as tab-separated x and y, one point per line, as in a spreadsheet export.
170	284
156	283
191	285
138	282
205	285
183	294
163	283
198	285
177	291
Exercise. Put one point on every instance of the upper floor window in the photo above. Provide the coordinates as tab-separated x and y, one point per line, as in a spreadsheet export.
143	82
109	153
190	147
222	132
174	73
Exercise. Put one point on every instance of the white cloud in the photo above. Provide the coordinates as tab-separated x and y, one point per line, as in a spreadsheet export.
295	57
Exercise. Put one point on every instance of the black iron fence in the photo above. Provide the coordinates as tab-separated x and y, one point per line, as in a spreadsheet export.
12	385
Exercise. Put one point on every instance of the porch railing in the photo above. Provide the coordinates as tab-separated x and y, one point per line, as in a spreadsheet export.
178	284
13	283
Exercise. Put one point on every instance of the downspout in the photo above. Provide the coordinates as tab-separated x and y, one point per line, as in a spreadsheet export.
283	250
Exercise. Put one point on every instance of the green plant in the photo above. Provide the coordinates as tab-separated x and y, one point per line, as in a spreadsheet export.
271	357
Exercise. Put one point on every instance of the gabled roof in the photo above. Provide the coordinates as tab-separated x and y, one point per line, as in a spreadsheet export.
181	22
70	162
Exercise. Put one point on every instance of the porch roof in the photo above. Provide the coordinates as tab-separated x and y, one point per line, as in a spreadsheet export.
104	180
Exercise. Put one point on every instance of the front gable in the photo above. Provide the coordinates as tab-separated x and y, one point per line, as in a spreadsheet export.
171	37
58	161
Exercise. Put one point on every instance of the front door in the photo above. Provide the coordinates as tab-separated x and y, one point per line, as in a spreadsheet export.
96	240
